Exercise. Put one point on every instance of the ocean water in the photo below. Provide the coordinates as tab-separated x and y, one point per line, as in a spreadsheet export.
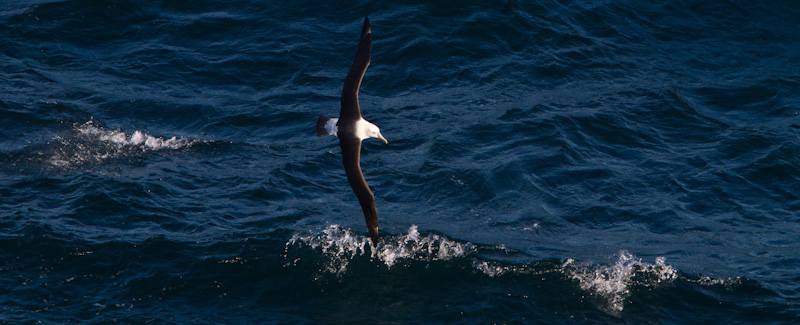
548	162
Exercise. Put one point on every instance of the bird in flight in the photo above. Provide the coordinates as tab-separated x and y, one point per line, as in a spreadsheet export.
351	129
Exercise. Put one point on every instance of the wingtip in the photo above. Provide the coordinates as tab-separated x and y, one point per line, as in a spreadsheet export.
373	234
365	28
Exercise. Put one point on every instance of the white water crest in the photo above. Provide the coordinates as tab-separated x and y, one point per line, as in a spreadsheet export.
91	143
342	245
610	284
135	139
613	283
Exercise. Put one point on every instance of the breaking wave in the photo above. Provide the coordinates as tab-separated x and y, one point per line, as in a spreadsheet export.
342	245
610	285
613	283
89	143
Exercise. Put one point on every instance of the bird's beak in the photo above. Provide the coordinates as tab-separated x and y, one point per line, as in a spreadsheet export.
382	138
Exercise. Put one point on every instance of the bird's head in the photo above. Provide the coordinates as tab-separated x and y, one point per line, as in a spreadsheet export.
375	132
368	130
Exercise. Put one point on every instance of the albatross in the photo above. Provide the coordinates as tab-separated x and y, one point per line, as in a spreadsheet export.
351	129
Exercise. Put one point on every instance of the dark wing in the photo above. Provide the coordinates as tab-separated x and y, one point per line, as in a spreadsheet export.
351	154
350	108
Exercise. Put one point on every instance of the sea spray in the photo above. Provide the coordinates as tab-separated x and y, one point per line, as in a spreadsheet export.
610	285
341	245
613	283
92	144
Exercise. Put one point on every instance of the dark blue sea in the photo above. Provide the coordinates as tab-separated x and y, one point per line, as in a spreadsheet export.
549	162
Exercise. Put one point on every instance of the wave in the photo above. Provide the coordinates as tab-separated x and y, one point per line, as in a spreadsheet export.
610	285
137	138
613	283
90	143
342	245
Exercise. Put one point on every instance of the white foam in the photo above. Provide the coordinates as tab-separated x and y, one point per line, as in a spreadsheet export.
92	143
138	138
412	246
610	283
342	245
492	269
613	282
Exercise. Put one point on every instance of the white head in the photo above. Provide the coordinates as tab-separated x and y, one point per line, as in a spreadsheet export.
366	130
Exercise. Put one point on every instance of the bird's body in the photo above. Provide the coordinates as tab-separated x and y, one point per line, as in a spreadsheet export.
351	129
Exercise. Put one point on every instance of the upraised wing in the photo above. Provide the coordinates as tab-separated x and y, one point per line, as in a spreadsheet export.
350	108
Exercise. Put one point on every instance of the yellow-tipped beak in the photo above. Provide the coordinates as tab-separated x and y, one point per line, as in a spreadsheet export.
382	138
